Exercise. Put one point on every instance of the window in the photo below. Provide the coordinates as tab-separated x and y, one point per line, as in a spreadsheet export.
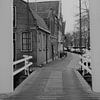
26	41
14	16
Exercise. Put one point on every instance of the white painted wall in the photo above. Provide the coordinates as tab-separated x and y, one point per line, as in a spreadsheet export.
95	42
6	46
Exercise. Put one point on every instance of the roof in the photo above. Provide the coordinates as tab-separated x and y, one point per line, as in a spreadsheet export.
40	21
43	8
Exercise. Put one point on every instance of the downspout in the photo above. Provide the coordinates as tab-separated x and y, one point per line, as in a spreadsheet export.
46	48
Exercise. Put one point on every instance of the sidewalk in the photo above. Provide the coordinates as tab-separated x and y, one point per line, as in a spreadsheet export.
55	81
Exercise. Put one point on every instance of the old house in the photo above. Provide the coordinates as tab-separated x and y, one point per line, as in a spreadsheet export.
50	11
29	33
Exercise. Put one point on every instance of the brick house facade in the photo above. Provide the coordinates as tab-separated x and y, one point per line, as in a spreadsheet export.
29	33
50	11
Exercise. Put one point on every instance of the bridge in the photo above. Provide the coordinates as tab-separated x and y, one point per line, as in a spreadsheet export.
57	80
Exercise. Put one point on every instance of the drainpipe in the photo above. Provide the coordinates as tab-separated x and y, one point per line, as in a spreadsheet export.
46	48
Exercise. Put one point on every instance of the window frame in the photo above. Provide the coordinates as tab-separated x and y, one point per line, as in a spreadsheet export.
26	50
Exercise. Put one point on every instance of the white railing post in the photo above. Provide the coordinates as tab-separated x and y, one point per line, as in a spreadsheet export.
25	67
26	63
85	66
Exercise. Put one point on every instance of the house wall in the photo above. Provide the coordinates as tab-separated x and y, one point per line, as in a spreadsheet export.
53	23
41	47
38	48
50	11
21	26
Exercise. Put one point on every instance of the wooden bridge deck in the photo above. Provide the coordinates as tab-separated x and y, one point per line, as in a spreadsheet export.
55	81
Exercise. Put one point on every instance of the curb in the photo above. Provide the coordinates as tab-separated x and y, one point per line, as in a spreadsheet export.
83	82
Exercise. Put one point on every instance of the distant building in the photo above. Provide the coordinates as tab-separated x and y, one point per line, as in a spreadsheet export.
30	33
61	32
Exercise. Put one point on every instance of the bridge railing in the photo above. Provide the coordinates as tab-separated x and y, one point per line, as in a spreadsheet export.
85	64
26	66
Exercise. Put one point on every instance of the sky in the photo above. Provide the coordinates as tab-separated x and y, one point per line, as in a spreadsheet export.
69	9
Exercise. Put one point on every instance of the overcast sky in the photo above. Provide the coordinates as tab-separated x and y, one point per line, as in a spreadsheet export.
69	7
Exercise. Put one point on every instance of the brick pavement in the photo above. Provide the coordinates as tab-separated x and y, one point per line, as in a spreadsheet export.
55	81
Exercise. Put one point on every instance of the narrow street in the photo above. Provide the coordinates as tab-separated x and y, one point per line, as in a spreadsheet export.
55	81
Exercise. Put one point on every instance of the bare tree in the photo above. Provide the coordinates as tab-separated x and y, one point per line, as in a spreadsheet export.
85	24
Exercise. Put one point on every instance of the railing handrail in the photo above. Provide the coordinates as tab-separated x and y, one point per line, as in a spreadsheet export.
89	60
22	60
85	67
27	64
21	69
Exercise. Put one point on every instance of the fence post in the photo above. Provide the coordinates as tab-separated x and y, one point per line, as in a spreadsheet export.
26	63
